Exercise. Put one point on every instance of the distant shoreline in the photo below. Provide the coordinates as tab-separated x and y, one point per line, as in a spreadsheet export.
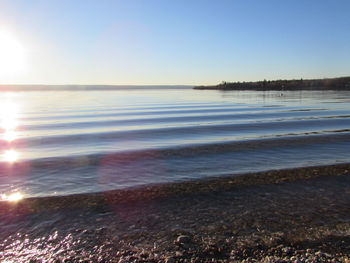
68	87
342	83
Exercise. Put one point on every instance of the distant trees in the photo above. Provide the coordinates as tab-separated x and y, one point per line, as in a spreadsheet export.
297	84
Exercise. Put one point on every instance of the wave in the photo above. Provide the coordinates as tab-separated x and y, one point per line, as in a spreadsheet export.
95	121
189	132
281	141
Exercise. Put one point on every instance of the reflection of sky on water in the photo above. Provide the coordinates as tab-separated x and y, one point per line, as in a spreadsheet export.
59	141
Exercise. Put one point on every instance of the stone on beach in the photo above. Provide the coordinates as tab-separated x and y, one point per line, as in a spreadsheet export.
183	239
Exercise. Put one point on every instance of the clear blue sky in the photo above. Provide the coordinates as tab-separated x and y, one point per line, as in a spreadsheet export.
178	41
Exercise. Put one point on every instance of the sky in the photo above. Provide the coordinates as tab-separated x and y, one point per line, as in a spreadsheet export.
173	42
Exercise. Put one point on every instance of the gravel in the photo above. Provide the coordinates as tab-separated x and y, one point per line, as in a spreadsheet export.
295	215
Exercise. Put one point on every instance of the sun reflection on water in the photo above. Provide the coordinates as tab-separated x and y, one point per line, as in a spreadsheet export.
9	135
9	116
9	121
9	112
13	197
10	156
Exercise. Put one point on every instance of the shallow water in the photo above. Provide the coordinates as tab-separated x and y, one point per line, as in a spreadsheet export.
65	142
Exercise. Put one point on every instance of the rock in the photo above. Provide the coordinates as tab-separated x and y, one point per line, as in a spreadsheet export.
122	260
179	253
287	250
319	254
186	245
144	254
170	260
183	239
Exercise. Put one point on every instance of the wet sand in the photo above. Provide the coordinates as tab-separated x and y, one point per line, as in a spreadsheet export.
295	215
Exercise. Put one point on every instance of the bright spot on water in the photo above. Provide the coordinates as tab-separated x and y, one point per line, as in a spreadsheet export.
9	122
9	119
13	197
9	114
10	156
9	135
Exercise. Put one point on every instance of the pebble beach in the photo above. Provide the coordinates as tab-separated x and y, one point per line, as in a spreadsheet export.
294	215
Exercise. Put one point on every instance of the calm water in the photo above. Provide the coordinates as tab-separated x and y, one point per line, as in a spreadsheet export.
65	142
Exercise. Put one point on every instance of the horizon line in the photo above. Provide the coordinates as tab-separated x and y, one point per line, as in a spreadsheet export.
169	85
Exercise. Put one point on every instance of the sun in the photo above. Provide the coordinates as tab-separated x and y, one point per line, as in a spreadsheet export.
12	56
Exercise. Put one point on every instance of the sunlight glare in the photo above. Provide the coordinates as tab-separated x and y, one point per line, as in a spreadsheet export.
10	156
13	197
8	120
9	135
8	115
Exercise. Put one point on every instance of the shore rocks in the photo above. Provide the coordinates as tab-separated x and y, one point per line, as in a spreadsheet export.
170	260
183	239
302	220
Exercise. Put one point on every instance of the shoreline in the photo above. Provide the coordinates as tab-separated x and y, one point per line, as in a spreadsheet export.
165	190
341	83
281	214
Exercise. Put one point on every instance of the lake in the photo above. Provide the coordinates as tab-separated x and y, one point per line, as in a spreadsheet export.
70	142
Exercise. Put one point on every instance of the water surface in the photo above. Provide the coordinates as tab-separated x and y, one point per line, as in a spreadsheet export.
67	142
